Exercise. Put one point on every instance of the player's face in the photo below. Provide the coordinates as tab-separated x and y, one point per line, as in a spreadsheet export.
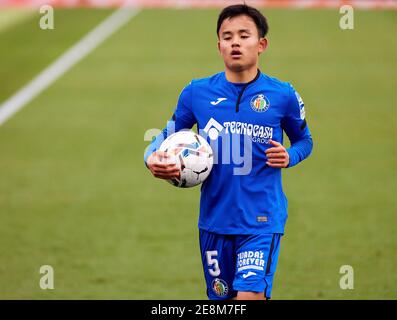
239	43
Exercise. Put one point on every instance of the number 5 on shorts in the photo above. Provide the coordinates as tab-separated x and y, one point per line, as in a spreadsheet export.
214	271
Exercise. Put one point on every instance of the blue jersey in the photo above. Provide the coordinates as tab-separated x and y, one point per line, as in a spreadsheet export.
242	195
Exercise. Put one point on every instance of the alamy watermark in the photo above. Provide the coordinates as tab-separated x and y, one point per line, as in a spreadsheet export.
47	19
346	282
346	21
47	279
233	139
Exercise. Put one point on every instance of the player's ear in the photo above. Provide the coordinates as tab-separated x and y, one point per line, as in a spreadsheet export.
262	44
219	46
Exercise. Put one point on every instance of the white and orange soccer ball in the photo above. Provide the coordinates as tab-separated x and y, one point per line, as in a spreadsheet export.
193	154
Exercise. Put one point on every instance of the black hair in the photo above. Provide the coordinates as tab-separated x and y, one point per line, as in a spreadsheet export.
243	9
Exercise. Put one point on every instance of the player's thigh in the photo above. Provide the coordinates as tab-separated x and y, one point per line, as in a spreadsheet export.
219	264
244	295
257	257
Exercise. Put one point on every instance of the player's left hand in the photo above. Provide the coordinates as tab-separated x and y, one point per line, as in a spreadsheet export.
277	155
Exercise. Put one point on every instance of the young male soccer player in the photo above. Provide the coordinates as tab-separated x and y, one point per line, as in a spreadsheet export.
242	211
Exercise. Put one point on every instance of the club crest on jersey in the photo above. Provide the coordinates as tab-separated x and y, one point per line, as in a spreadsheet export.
260	103
220	287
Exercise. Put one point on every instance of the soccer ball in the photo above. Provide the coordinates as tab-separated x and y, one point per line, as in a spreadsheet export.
193	154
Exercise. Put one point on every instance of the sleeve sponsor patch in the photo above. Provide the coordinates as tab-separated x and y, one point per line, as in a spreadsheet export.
301	105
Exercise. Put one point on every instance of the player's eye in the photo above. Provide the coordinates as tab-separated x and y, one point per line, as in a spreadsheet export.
244	37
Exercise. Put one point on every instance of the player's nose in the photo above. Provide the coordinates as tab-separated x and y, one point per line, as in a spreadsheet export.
235	45
235	42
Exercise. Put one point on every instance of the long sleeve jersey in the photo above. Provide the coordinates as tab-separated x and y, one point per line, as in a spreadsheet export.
242	194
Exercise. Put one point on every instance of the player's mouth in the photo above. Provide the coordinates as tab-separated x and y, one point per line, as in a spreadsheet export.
236	54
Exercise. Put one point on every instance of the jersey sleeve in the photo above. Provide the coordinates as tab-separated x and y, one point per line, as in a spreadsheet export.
295	126
182	118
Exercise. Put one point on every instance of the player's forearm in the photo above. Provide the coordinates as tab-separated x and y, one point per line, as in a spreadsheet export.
155	144
299	151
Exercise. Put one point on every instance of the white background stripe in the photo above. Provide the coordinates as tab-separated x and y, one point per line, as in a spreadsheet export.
88	43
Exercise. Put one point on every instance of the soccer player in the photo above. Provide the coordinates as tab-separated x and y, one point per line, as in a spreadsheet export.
243	209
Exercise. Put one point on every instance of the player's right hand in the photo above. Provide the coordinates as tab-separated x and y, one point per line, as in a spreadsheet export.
163	165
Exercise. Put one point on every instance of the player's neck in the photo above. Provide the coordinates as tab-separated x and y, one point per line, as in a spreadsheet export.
243	76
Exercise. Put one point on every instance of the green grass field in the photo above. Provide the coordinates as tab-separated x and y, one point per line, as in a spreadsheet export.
74	192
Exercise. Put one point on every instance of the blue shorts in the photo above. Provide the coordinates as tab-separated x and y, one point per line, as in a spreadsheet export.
235	263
